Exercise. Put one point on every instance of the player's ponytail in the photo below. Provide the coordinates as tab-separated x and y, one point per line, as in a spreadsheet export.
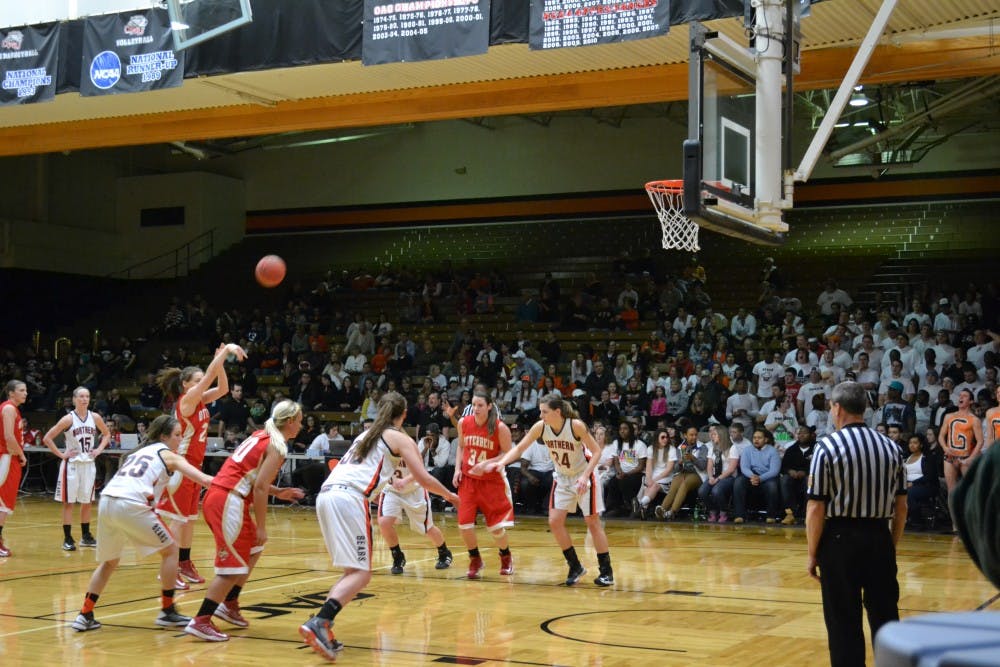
565	408
171	380
390	407
282	413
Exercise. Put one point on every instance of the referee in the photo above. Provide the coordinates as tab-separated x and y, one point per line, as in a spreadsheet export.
857	484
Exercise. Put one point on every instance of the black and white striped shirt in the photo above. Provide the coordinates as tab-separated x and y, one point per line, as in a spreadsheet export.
858	472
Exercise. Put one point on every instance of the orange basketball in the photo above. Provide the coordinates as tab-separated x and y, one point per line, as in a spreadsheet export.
270	271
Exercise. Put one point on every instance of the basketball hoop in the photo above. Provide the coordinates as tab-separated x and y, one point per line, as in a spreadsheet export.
679	231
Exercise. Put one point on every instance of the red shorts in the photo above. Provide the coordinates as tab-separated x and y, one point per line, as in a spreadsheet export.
180	499
10	481
228	517
489	495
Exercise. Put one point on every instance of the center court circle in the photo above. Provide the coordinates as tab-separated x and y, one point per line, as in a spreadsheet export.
610	627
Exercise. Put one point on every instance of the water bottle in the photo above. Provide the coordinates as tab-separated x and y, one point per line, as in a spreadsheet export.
697	513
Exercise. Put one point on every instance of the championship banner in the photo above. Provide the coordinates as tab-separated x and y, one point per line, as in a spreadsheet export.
395	32
559	23
28	64
129	53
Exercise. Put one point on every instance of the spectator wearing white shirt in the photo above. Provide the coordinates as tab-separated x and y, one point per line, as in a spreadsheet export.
907	355
944	353
355	361
931	383
944	320
924	340
867	376
743	325
976	355
320	446
917	313
927	364
831	295
804	365
970	306
827	365
814	387
684	322
767	374
801	343
839	356
970	382
896	377
742	406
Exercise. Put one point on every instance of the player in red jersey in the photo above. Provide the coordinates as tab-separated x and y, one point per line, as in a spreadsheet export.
192	389
244	482
483	437
12	458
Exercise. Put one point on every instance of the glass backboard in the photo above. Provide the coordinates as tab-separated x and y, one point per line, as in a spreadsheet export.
195	21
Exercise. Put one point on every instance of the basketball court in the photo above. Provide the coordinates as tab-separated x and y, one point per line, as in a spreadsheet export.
684	594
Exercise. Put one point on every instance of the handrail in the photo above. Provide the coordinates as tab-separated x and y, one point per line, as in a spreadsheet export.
180	256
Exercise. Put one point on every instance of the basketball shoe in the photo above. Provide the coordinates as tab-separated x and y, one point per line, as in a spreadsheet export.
507	564
317	633
229	611
475	568
4	551
69	545
203	628
88	541
605	578
169	618
186	570
398	563
575	572
82	623
444	561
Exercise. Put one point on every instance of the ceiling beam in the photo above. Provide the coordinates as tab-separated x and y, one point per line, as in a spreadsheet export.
821	68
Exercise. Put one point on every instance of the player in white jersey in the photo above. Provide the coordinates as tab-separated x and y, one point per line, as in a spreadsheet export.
342	507
127	515
86	437
403	497
575	454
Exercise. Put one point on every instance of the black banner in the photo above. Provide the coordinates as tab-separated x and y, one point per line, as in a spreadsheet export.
129	53
560	23
414	30
28	64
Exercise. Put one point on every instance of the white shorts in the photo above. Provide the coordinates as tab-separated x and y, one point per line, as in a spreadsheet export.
415	504
345	521
122	521
76	482
564	495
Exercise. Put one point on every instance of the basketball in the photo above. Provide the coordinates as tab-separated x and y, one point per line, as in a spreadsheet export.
270	271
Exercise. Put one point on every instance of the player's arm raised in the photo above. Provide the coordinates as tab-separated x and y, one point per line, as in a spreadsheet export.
404	447
49	439
177	463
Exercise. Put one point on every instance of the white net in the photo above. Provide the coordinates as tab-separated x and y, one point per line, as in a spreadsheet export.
679	231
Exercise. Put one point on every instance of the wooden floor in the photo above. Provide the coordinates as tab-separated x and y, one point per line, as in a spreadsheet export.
684	594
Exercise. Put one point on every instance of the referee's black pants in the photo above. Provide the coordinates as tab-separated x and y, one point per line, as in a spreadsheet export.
857	565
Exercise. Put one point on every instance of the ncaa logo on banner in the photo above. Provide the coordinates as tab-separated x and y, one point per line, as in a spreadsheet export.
105	70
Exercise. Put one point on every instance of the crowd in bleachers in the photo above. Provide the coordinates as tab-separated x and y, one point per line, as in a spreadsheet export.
690	402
